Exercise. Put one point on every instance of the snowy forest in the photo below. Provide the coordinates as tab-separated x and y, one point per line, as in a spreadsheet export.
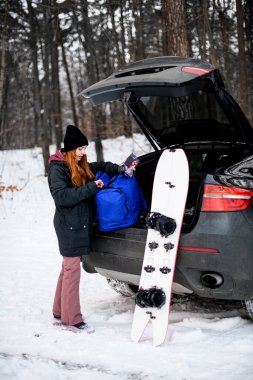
50	50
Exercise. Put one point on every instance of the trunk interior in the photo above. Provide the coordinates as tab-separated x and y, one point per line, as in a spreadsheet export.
203	158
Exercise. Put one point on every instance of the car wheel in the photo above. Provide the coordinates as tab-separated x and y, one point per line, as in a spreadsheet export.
126	290
248	307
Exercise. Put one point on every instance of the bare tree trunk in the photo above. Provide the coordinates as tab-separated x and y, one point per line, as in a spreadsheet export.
92	69
224	40
56	115
139	49
249	35
242	59
174	19
130	38
72	99
213	54
46	126
190	26
3	77
122	25
115	34
201	32
98	142
36	84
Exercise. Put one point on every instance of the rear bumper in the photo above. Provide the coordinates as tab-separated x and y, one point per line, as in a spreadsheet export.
119	255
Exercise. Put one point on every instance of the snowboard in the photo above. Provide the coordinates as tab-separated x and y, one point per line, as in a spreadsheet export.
164	222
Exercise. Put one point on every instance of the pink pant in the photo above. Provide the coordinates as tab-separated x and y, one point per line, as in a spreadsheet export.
66	299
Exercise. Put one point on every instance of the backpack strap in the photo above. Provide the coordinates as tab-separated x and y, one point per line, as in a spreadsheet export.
112	180
100	174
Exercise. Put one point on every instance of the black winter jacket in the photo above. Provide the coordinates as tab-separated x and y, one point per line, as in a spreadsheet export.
73	214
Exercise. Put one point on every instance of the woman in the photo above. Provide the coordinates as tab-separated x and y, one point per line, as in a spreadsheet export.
72	185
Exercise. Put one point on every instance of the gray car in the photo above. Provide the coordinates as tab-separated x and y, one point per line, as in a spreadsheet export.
182	103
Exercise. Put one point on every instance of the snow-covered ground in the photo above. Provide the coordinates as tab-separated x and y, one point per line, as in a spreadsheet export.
200	345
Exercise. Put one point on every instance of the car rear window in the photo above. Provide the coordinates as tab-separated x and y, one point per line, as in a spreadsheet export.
196	117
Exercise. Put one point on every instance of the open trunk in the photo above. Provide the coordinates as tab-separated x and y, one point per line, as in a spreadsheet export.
207	163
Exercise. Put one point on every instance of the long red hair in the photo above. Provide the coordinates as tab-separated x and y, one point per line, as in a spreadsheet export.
80	170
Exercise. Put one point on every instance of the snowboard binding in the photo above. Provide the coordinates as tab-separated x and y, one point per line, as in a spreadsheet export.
152	297
165	225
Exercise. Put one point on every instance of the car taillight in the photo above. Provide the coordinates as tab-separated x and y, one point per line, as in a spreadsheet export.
195	70
198	249
223	198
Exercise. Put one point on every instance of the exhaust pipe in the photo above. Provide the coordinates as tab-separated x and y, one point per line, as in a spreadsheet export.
211	280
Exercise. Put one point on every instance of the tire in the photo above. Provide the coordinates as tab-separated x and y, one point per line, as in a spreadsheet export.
126	290
248	307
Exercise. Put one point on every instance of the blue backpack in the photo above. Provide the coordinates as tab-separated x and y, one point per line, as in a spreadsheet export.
120	203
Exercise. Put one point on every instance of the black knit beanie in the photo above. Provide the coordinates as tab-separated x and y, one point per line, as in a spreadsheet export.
73	139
